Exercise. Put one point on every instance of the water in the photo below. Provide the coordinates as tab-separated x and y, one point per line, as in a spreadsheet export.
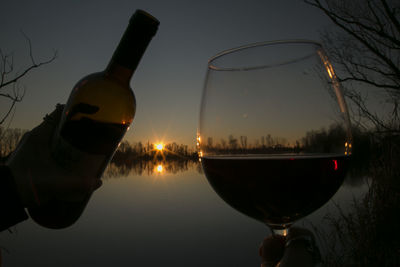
164	216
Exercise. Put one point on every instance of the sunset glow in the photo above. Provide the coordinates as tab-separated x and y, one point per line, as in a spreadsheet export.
198	140
160	146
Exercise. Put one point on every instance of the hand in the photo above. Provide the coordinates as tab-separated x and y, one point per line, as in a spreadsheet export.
43	185
296	249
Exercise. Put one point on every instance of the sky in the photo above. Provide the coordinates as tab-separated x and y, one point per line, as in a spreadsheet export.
169	80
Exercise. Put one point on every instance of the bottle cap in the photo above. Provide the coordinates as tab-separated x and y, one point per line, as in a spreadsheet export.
144	19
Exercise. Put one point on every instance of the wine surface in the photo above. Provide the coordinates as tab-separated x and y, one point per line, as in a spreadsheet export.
92	136
276	190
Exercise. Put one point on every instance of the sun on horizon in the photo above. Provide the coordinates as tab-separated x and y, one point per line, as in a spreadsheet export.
159	146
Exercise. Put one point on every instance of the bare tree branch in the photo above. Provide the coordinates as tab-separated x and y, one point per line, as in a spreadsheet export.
365	47
8	112
343	23
28	70
391	15
7	68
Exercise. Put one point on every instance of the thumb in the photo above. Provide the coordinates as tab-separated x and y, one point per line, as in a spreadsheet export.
50	122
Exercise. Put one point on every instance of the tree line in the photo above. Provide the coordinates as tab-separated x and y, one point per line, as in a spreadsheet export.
128	152
314	141
9	139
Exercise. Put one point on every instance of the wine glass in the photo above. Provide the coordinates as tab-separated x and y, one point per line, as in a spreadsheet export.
274	134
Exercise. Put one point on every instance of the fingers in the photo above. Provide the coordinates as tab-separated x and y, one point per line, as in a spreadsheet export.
295	232
43	133
52	119
272	250
298	248
55	116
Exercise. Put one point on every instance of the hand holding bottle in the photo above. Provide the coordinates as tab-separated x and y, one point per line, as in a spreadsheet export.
58	164
38	177
46	188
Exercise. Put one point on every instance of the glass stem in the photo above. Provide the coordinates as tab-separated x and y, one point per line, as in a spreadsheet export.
282	232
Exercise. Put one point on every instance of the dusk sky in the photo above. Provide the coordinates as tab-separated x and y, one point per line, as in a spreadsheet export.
169	80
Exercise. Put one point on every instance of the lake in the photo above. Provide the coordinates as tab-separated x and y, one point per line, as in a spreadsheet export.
155	215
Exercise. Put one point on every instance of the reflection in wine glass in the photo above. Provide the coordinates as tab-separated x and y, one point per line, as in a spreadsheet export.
274	133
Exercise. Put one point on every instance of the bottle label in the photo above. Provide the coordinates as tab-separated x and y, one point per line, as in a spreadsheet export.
76	161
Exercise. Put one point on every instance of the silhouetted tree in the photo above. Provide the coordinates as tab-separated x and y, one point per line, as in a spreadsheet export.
243	141
262	141
139	148
9	78
223	143
233	144
365	49
209	141
9	139
269	141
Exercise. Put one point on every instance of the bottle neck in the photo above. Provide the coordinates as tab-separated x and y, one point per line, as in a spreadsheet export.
119	73
142	27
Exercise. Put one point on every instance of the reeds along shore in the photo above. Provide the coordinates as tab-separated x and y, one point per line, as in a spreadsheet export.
369	234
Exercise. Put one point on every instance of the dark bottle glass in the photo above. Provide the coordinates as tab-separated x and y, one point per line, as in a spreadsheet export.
102	105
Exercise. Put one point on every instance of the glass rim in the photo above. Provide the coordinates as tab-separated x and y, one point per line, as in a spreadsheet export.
210	64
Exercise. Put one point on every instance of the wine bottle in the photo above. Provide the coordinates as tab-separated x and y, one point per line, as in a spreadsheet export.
102	105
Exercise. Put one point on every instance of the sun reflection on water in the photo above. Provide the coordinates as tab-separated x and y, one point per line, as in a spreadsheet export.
159	168
148	168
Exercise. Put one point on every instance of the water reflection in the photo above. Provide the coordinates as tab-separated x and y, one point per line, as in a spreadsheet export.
126	217
358	174
151	167
159	168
